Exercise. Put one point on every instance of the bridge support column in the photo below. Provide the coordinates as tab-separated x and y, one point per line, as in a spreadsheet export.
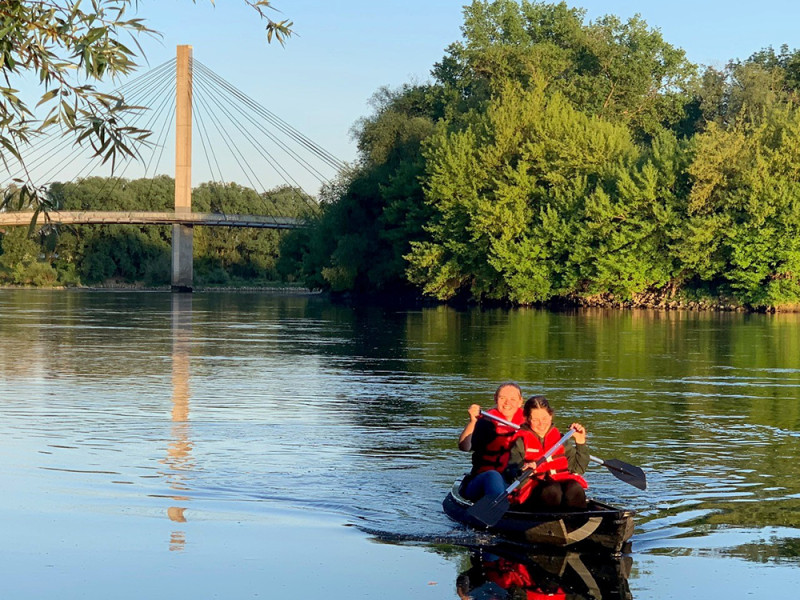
182	237
182	260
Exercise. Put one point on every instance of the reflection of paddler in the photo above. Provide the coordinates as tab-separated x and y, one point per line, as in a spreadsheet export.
491	573
509	573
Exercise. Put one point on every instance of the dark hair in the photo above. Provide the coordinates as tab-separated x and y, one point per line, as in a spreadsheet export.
507	384
535	402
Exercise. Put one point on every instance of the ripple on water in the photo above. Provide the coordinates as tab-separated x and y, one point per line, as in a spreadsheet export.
334	414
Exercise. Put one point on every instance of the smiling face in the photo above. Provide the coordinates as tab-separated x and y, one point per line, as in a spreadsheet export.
509	400
540	421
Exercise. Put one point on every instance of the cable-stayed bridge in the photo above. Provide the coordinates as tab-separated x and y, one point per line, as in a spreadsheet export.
191	112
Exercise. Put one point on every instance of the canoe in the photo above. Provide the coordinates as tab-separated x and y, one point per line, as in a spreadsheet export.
600	527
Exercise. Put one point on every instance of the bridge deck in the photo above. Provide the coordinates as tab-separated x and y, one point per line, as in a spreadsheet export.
150	218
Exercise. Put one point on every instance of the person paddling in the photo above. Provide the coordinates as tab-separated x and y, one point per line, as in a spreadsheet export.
489	442
558	483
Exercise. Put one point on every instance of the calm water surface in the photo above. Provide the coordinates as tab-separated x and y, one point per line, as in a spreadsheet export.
232	445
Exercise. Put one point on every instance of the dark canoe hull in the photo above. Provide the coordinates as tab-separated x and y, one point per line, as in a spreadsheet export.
601	527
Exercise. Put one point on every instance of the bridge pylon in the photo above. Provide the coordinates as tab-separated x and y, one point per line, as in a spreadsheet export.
183	234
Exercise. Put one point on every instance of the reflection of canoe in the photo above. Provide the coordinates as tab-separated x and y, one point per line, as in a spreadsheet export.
601	526
552	575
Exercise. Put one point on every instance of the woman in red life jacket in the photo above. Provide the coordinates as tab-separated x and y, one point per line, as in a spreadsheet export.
557	483
489	442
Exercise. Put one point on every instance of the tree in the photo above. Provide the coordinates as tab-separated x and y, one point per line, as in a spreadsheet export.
21	261
743	225
225	253
133	253
68	46
510	199
373	212
747	90
71	255
624	72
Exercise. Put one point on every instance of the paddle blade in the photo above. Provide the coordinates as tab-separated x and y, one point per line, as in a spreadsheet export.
489	510
630	474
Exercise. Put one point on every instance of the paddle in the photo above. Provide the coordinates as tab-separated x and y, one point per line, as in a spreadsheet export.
630	474
490	510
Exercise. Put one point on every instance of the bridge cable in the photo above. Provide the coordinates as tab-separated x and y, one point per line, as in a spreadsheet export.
154	90
302	162
268	158
45	147
232	148
285	127
264	153
41	155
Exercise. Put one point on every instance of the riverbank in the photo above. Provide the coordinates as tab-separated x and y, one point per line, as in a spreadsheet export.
659	301
137	287
680	301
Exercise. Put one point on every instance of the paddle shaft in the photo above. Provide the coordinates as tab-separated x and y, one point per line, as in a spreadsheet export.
528	472
634	475
502	421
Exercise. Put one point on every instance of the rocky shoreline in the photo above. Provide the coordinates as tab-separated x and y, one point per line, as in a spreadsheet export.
655	301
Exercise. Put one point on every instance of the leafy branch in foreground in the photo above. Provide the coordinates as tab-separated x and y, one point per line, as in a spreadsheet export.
68	46
280	30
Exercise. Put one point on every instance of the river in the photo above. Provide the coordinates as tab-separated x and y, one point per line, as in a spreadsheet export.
242	445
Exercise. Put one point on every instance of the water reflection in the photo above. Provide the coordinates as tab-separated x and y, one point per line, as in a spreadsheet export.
179	451
296	402
499	573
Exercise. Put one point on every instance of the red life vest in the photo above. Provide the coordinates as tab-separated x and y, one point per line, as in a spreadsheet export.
559	594
494	455
510	574
555	468
507	574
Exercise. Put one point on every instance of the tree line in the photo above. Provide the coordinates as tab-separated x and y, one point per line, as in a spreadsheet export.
139	254
552	158
549	158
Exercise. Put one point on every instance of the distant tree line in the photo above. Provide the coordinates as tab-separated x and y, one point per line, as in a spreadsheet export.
554	158
141	254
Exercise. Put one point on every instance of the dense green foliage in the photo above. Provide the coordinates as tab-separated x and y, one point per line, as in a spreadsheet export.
91	254
549	158
555	158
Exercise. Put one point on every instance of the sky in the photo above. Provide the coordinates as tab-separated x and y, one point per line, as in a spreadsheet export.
321	81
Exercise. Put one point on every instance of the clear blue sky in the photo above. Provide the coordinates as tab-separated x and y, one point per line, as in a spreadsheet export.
321	81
